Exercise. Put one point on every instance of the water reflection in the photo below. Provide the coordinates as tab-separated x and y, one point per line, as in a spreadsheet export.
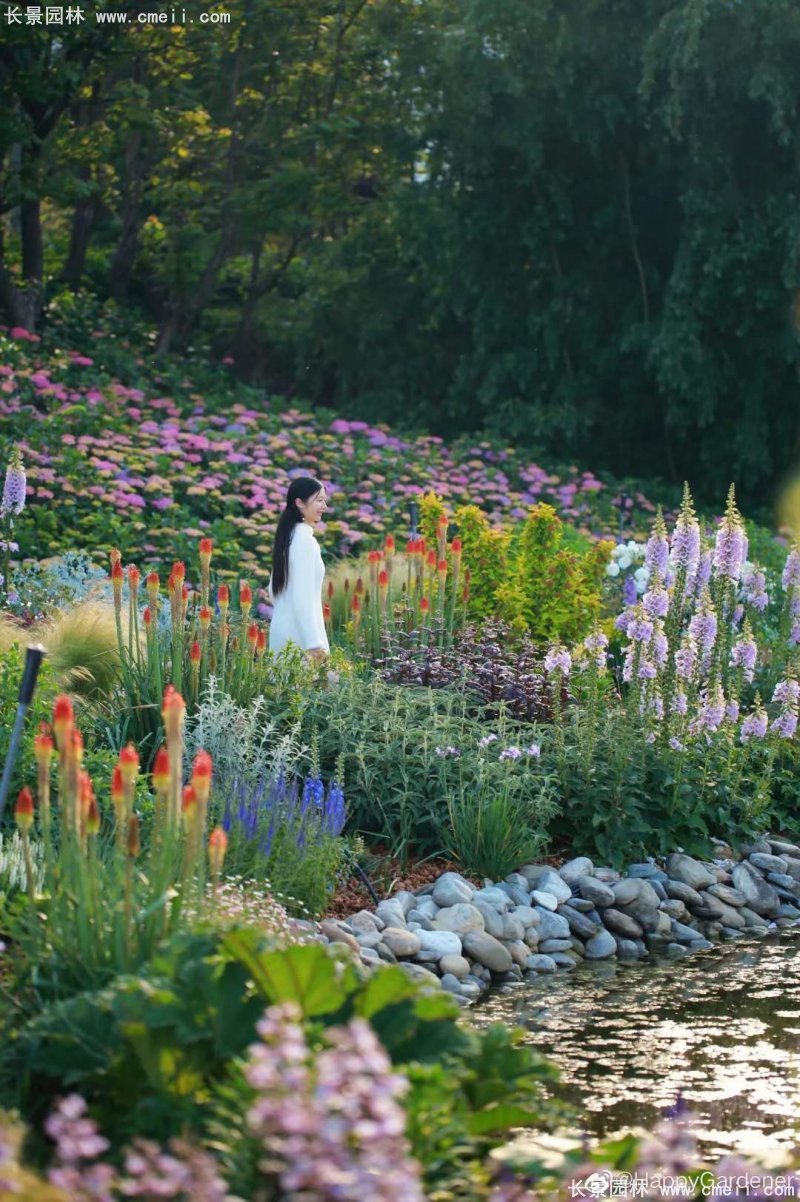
722	1027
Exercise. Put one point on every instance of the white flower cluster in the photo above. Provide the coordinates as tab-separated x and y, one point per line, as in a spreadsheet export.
12	864
623	557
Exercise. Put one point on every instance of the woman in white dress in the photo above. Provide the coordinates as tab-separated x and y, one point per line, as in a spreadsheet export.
295	586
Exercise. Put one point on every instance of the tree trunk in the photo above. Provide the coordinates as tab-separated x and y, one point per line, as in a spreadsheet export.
128	245
82	222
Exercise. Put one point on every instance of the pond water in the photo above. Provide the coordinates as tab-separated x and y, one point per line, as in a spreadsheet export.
722	1027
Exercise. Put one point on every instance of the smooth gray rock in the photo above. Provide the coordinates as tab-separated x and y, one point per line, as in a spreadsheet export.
606	876
731	897
370	956
548	900
492	919
488	951
362	920
426	905
519	882
391	913
492	896
793	866
578	946
417	919
440	943
460	918
407	900
754	921
684	893
780	847
563	960
369	939
527	915
540	963
623	924
760	895
386	953
552	926
595	891
532	936
601	946
784	881
579	924
519	951
403	944
513	928
627	949
675	909
578	903
418	973
658	888
518	897
684	868
471	989
646	870
788	911
547	946
684	933
457	966
548	881
451	888
768	863
626	891
450	983
573	870
676	950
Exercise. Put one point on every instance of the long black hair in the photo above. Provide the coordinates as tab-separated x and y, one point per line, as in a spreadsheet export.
302	489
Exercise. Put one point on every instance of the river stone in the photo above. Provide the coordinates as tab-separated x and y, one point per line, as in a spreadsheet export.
555	945
513	929
532	936
402	943
492	919
622	923
552	926
391	913
648	916
488	951
519	952
788	911
760	844
606	876
573	870
577	946
760	895
578	903
460	918
550	882
547	900
450	889
540	963
407	900
492	896
675	909
416	919
600	946
731	897
793	867
784	881
471	990
681	867
369	939
450	983
627	890
595	891
781	847
369	956
579	924
362	920
440	943
457	966
518	881
684	893
684	933
386	953
627	949
658	889
564	960
336	934
527	915
676	950
518	897
785	895
768	863
417	973
754	921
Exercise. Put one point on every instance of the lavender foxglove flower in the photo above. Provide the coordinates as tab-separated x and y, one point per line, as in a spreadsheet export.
534	750
732	711
754	726
785	724
487	739
14	486
703	574
703	627
656	600
686	657
791	571
786	692
730	550
745	653
656	556
685	550
754	589
625	620
629	593
659	646
647	669
641	631
679	703
712	710
510	753
627	665
676	744
596	645
558	659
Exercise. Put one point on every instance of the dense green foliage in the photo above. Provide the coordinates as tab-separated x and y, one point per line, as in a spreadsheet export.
573	223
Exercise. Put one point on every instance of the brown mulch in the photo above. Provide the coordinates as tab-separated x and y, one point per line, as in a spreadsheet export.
388	875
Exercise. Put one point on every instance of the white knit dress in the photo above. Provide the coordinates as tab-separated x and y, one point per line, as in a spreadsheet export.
297	614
